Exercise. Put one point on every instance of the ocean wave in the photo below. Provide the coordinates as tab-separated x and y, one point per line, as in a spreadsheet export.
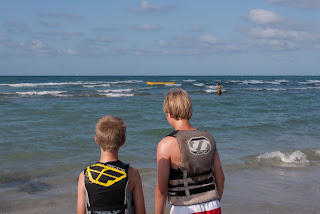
189	80
93	86
116	90
172	85
53	93
22	85
277	82
198	84
214	91
117	95
266	89
275	89
125	81
212	86
310	82
296	157
246	82
84	83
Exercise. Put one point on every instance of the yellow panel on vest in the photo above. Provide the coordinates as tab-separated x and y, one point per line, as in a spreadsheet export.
102	173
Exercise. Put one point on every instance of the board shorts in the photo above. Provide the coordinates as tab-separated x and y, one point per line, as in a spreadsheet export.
211	207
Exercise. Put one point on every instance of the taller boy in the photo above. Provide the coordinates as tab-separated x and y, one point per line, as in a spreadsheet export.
189	168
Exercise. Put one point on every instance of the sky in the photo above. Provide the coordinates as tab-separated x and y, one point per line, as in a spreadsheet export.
144	37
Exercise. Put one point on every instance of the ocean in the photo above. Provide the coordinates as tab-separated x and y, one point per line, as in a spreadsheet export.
267	130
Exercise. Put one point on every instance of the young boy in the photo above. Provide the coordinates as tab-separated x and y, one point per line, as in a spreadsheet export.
189	168
110	186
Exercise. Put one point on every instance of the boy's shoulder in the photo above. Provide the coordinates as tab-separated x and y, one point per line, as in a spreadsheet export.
133	172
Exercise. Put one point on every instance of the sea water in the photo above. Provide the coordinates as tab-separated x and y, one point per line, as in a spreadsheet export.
267	130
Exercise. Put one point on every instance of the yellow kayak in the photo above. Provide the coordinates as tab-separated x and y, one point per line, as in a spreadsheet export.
160	83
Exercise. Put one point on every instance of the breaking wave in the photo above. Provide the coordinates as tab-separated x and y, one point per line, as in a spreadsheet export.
32	93
295	157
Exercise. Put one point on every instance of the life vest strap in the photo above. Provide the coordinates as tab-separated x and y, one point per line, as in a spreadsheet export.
207	181
192	191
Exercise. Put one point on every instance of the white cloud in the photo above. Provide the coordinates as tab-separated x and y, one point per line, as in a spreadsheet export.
197	28
146	27
261	16
70	16
283	34
146	7
209	39
68	51
306	4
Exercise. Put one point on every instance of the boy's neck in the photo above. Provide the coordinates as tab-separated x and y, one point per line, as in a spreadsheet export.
108	156
183	125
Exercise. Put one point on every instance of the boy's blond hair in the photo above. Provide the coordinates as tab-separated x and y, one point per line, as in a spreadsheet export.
110	133
178	104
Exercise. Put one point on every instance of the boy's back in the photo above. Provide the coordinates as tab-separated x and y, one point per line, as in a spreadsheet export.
110	185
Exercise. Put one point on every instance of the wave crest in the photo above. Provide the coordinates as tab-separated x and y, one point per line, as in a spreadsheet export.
295	157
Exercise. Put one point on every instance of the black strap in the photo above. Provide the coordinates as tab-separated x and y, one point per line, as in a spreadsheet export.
192	191
107	208
173	133
207	181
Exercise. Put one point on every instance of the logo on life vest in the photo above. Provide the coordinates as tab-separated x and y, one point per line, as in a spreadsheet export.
199	145
104	175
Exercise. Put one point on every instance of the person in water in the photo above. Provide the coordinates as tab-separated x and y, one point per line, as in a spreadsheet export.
189	169
219	89
110	186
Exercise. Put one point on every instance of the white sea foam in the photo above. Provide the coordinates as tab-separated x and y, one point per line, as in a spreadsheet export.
21	85
198	84
277	82
172	85
212	86
275	89
117	95
310	82
318	152
125	81
252	82
210	91
85	83
93	86
115	90
189	80
213	91
294	157
32	93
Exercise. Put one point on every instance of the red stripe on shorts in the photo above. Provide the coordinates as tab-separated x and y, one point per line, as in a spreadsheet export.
215	211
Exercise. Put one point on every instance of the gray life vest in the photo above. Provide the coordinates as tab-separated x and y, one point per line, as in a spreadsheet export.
193	182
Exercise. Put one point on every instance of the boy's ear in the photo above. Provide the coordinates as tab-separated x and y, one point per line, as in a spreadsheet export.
123	142
95	139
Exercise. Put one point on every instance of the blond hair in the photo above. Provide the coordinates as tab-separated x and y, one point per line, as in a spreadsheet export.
110	133
178	104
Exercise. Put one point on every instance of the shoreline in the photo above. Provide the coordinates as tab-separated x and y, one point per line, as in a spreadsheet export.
257	190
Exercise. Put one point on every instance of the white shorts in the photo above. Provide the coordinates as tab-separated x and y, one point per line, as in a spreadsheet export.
211	207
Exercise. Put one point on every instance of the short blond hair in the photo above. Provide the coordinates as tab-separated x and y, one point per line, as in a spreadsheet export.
110	133
178	104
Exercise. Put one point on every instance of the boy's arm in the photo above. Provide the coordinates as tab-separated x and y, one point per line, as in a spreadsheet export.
81	207
135	180
218	174
163	160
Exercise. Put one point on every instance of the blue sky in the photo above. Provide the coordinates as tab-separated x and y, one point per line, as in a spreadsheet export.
247	37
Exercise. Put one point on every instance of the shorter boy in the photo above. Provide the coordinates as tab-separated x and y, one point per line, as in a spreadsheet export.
110	186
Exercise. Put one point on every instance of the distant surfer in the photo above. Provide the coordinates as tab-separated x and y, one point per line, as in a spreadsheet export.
219	89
